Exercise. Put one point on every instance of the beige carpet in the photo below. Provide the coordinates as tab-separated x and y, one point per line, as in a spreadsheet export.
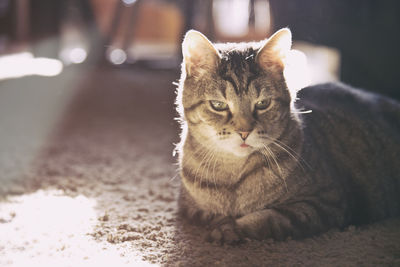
88	179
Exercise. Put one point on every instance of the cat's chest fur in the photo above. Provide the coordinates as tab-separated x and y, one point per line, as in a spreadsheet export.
236	189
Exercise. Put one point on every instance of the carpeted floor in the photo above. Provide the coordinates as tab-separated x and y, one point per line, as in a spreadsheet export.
88	179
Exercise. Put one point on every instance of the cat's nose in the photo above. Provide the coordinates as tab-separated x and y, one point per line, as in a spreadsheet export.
244	135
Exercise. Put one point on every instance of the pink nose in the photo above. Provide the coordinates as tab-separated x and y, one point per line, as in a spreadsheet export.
244	135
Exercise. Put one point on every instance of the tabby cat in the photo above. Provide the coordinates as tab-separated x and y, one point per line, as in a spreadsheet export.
253	165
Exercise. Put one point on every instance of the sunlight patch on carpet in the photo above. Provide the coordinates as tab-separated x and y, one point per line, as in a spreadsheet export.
49	228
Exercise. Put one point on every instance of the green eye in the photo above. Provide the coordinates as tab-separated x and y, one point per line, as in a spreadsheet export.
263	104
219	105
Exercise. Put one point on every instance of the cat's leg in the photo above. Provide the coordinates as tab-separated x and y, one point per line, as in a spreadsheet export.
299	219
296	219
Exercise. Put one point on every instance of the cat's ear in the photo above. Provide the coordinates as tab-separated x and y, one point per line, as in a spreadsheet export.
272	54
199	55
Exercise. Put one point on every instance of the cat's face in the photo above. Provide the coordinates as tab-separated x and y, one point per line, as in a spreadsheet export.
235	100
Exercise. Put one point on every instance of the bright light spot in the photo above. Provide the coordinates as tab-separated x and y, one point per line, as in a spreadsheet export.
77	55
231	16
117	56
49	212
49	228
323	62
46	66
129	2
24	64
296	71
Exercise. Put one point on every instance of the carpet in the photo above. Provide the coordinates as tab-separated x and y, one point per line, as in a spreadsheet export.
88	179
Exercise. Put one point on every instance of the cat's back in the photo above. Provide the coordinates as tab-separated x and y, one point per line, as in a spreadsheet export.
358	133
343	109
343	100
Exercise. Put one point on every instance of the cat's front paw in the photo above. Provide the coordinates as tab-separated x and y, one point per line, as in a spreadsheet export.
225	231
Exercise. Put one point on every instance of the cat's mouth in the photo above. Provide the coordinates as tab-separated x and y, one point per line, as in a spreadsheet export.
244	145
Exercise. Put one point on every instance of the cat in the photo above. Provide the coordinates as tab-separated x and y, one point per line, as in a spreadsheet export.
253	165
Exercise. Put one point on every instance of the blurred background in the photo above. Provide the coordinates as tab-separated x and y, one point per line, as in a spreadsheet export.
349	40
87	105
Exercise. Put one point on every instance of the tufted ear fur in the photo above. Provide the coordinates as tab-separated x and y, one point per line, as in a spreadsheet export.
199	55
272	54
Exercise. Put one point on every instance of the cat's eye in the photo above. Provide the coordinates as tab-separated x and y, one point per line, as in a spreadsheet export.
219	105
263	104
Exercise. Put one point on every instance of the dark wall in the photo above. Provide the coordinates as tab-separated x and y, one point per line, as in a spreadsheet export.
365	31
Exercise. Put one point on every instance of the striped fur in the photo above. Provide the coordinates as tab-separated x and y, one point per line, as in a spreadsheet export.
300	174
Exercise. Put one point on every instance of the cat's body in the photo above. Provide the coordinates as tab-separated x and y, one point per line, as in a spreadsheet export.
252	165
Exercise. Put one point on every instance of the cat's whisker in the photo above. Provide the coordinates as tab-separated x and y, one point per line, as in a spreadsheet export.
296	159
207	165
277	165
267	156
290	151
207	155
274	142
215	158
268	163
200	150
204	156
293	153
285	145
214	179
186	161
301	111
174	177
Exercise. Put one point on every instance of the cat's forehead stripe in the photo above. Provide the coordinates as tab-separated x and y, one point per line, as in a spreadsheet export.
233	83
239	69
